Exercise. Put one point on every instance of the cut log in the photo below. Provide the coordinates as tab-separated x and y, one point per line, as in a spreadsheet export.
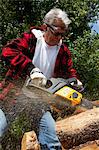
90	145
79	129
30	142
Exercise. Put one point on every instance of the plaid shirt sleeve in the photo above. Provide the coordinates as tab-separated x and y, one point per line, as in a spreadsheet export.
64	65
18	53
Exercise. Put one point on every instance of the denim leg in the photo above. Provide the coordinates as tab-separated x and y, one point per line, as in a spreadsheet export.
47	132
3	123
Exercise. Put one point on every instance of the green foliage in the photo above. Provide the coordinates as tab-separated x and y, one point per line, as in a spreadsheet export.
19	126
81	13
85	52
10	26
13	136
86	61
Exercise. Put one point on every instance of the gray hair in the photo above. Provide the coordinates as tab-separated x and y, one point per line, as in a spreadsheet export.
57	13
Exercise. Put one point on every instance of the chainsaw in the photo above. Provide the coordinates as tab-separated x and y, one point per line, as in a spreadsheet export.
66	90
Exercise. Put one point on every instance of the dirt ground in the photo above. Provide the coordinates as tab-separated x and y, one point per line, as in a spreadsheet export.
7	96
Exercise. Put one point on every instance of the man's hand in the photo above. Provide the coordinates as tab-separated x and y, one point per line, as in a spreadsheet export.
79	83
79	86
37	77
36	73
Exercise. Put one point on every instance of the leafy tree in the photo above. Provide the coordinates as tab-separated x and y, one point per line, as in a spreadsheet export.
81	13
86	60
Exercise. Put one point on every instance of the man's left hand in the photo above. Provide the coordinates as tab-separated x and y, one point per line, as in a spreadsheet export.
79	83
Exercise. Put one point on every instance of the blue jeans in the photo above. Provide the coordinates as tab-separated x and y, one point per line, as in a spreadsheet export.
47	133
3	123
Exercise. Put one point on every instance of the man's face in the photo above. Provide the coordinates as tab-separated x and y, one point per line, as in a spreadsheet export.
55	32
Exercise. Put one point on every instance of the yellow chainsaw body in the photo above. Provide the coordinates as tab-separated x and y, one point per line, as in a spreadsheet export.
70	94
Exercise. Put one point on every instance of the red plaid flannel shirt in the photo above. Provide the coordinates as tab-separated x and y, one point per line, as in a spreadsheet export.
18	55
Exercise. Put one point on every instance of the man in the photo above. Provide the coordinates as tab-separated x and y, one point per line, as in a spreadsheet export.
41	53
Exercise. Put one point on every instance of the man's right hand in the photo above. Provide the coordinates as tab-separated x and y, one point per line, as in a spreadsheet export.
36	73
37	77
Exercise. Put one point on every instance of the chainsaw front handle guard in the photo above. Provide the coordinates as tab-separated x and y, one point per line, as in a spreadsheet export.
58	83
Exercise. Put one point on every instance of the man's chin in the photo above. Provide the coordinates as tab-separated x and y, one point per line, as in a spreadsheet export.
53	43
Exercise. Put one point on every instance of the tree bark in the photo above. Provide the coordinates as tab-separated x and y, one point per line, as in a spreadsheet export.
79	129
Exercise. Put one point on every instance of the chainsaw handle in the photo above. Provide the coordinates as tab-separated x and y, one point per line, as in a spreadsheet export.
59	83
56	86
75	85
71	80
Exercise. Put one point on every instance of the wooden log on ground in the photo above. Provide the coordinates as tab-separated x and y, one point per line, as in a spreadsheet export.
79	129
90	145
30	142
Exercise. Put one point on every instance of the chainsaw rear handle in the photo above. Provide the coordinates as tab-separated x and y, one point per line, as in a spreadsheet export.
71	80
75	85
58	83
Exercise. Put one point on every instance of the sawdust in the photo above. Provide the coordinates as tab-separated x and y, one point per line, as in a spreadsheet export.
9	100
